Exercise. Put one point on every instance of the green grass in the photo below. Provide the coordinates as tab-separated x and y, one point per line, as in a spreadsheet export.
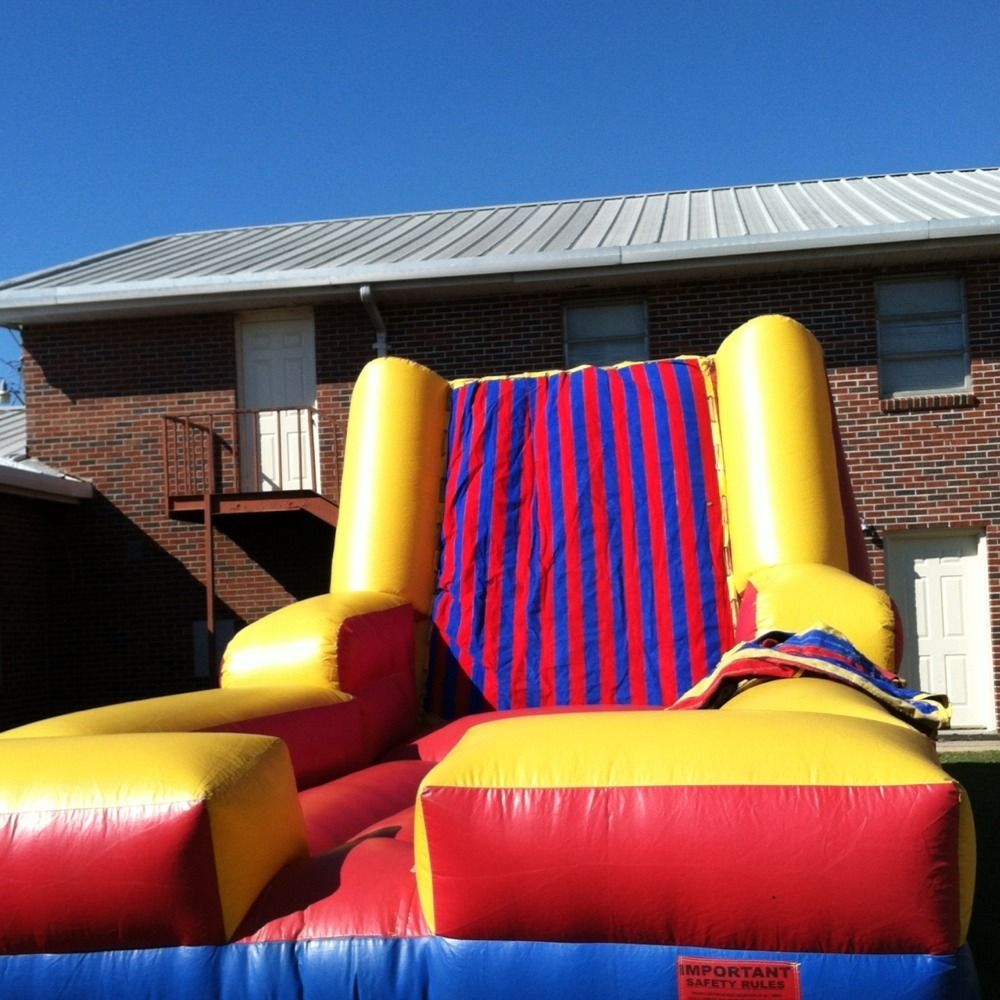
969	757
979	772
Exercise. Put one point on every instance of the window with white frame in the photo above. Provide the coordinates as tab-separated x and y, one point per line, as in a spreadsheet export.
606	333
923	344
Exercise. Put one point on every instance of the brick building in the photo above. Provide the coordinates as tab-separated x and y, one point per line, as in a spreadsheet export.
200	382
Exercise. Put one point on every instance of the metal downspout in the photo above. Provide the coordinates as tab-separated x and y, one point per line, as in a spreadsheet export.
381	345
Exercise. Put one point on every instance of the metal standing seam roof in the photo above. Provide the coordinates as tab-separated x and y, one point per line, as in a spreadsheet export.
584	233
19	474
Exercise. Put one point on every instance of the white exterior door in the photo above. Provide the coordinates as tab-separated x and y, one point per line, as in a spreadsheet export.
278	380
939	582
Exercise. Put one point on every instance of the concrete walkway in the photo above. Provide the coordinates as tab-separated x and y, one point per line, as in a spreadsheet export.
957	740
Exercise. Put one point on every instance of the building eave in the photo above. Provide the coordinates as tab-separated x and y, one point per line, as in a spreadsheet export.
20	306
42	483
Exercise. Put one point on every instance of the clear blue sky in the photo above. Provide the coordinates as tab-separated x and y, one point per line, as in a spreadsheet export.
123	120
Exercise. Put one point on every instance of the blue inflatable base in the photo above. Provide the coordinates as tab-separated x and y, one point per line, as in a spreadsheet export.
444	969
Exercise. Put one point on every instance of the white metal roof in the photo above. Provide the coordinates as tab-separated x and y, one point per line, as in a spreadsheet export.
21	475
513	239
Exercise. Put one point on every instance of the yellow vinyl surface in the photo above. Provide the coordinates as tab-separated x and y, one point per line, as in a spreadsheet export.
422	865
182	713
297	644
811	694
390	494
257	828
622	749
783	492
794	598
246	783
843	743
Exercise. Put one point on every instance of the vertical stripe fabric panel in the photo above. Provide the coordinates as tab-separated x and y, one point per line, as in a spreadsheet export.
582	553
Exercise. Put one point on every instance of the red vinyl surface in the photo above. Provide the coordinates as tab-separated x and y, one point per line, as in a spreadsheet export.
332	740
388	711
316	754
365	889
375	666
133	877
699	866
374	645
746	620
341	809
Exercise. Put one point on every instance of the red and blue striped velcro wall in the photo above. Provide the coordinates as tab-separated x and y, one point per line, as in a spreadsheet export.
582	543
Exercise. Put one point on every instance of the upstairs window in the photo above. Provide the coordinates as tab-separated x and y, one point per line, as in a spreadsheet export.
606	334
923	344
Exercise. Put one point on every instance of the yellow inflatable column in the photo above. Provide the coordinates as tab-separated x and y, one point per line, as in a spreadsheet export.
776	427
387	532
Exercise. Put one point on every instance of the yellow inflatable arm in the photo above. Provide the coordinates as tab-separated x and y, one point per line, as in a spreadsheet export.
307	643
794	598
190	712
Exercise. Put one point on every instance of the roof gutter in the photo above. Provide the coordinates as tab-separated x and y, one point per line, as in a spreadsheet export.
34	304
42	485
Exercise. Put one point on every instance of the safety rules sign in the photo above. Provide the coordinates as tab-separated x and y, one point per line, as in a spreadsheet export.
709	979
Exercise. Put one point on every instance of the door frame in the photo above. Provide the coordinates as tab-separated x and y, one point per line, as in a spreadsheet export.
245	319
249	316
982	639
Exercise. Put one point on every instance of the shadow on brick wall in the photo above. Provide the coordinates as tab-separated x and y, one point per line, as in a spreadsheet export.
104	614
294	548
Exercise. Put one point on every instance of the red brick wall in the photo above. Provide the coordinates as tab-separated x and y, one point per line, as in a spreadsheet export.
930	466
96	392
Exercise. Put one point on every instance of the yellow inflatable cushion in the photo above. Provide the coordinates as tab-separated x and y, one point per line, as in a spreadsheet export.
811	694
603	749
794	598
298	644
644	750
244	782
182	713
